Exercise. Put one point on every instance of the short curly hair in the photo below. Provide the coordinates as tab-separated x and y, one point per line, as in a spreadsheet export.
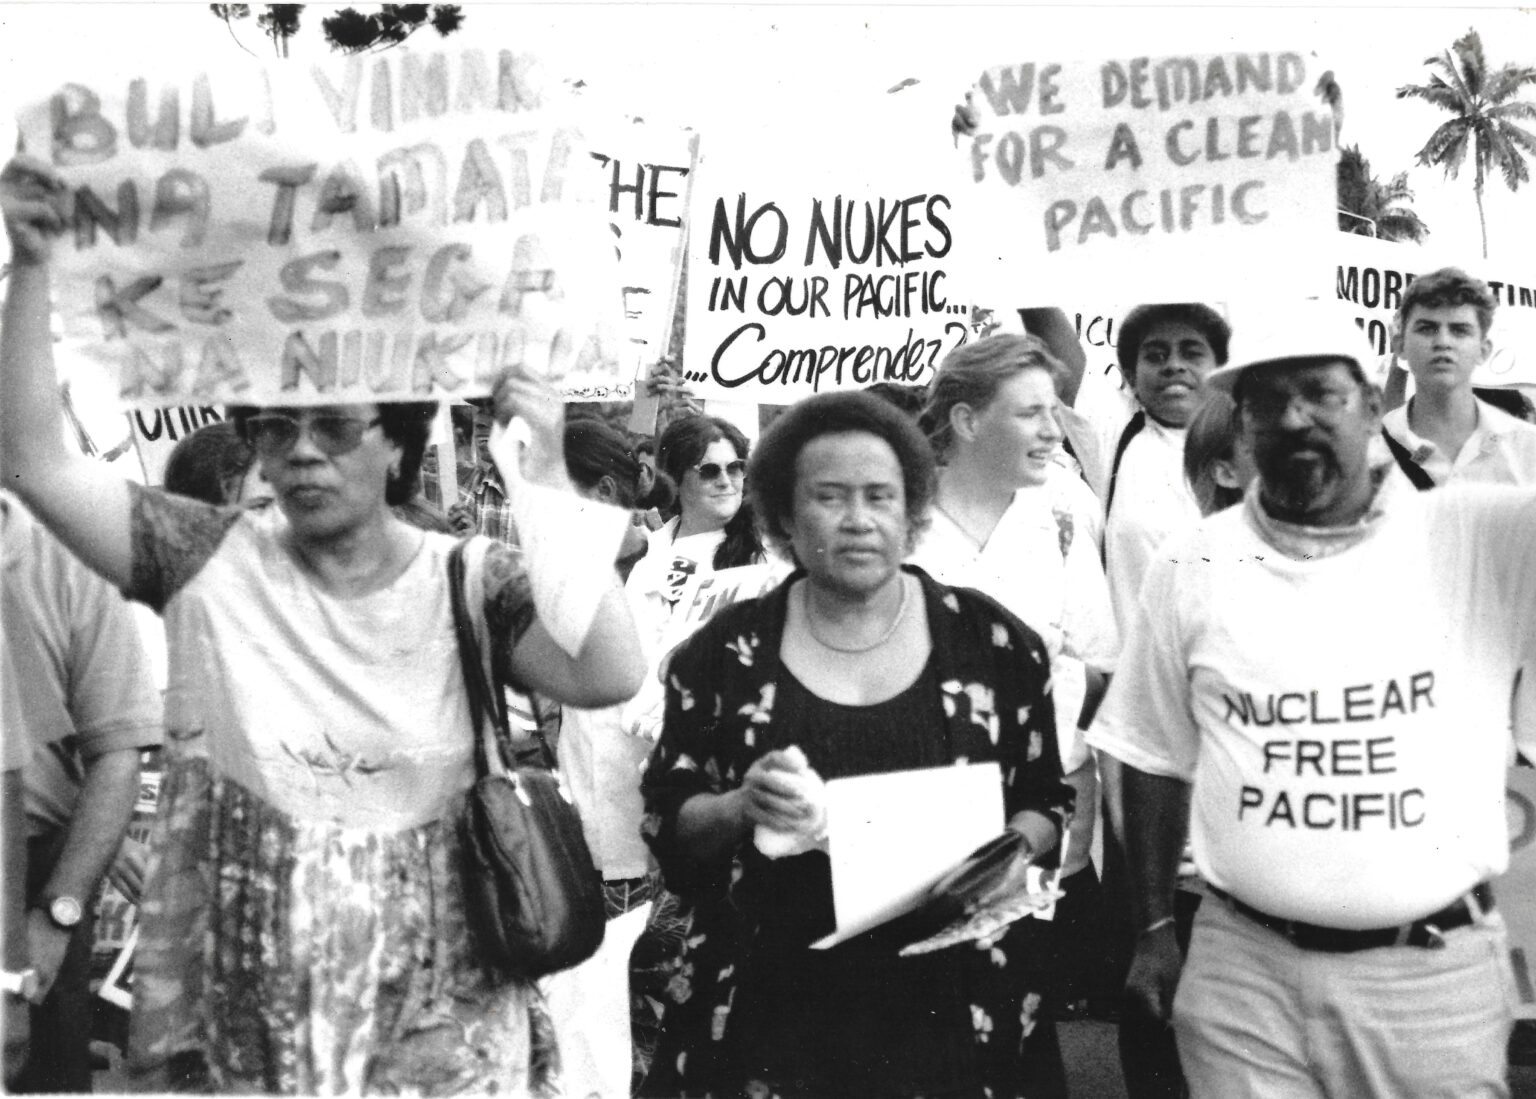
407	424
771	476
1449	287
1141	320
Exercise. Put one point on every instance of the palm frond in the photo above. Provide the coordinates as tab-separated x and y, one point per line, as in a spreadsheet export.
1474	67
1504	84
1447	146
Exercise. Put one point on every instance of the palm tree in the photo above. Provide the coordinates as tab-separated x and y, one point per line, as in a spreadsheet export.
1486	117
1369	207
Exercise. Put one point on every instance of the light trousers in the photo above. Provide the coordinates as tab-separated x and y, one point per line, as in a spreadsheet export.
1257	1017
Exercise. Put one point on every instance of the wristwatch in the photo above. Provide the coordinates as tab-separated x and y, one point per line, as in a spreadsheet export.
22	982
65	911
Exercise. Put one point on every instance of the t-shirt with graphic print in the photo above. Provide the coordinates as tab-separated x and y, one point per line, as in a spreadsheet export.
1340	705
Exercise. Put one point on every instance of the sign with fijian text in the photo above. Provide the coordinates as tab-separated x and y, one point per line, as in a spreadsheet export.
402	226
822	268
1122	174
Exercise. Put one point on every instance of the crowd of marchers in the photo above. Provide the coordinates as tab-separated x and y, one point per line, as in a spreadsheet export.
1251	652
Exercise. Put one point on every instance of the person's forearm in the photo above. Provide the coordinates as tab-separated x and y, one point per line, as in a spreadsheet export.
13	835
710	826
31	412
1156	826
102	813
1097	688
1051	326
612	648
1039	829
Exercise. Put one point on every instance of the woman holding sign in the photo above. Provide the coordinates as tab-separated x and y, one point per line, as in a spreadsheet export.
303	924
854	666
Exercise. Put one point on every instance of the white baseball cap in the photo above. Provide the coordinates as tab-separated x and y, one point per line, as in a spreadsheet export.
1276	334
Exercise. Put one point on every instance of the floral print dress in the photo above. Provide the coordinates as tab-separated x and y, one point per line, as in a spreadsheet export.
303	927
991	675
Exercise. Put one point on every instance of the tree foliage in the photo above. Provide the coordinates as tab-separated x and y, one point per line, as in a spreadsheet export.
1369	207
1486	117
352	31
349	30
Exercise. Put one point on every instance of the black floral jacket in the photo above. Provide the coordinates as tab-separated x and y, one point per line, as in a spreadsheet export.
994	676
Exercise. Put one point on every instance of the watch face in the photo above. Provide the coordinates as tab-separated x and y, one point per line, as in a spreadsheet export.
65	911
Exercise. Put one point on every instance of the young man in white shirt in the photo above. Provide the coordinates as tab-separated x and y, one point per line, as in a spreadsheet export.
1135	461
1338	767
1445	433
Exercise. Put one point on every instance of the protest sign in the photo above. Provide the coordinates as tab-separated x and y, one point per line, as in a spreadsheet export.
156	431
646	172
822	261
1183	173
401	226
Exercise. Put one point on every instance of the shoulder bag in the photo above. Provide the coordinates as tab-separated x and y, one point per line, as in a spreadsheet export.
533	898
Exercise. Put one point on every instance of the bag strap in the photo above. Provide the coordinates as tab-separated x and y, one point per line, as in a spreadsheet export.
1415	472
487	691
1133	428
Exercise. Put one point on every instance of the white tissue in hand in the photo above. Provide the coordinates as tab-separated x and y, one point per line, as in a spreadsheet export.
569	544
778	843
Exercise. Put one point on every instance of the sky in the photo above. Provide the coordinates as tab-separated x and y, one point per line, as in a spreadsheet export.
715	66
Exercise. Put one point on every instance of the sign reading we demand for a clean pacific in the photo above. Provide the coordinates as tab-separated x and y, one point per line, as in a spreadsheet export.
1179	173
400	226
823	267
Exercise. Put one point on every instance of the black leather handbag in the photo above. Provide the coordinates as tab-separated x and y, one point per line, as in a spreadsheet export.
532	896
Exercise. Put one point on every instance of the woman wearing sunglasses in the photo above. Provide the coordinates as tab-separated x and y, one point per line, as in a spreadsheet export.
706	457
303	925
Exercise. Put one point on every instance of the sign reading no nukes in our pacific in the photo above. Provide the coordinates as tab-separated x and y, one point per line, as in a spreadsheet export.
1135	171
404	226
798	291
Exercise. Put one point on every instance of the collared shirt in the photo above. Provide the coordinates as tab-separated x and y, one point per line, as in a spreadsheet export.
1501	449
1152	501
487	498
1041	561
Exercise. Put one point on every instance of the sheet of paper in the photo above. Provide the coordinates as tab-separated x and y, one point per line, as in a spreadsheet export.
891	836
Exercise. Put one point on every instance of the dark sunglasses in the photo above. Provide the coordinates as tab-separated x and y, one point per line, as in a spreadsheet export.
274	434
733	469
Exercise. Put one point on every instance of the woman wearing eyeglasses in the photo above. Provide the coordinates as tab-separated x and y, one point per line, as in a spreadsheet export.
303	927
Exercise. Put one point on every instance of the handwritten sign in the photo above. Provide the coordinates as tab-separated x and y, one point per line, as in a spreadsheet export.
1133	172
646	173
821	267
156	431
402	226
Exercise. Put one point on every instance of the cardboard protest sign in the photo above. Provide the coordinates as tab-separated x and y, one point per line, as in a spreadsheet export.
821	262
646	173
156	431
1118	175
1372	274
402	226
